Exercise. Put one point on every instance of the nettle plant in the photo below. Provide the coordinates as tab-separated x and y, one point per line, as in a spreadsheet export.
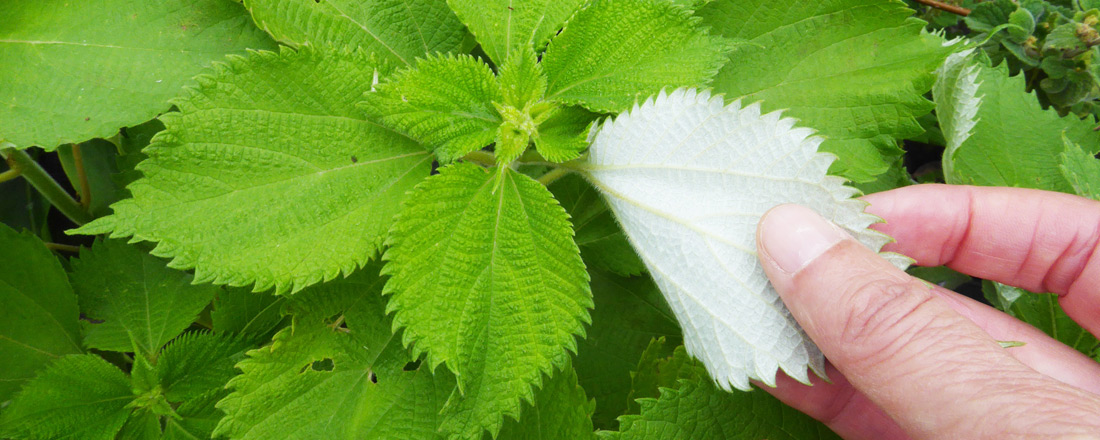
460	219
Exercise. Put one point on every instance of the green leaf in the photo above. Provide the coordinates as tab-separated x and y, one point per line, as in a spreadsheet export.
506	26
997	133
99	162
662	365
445	102
855	70
490	282
602	243
698	410
629	313
138	302
398	31
250	314
240	188
336	373
198	418
560	411
522	81
198	363
76	71
564	135
1043	311
675	172
1081	170
41	323
616	52
79	396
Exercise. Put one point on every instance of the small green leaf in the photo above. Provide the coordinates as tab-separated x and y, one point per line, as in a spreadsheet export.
561	410
522	81
1081	170
602	242
487	279
506	26
76	71
613	53
198	363
445	103
997	133
398	31
41	323
79	396
563	136
241	188
198	417
138	302
855	70
251	314
338	372
1043	311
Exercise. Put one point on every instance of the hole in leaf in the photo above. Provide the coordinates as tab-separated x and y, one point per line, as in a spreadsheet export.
322	365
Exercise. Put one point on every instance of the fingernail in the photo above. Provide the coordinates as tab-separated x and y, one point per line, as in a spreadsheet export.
794	236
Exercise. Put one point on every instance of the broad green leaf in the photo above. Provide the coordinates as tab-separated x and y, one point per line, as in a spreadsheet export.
73	71
445	102
241	188
613	53
561	410
142	425
41	320
997	133
198	418
506	26
629	313
336	373
198	363
250	314
399	31
79	397
522	81
137	302
1081	170
564	135
856	70
602	243
486	278
689	179
698	410
1043	311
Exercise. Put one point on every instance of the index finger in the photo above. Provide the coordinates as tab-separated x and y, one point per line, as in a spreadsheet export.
1037	240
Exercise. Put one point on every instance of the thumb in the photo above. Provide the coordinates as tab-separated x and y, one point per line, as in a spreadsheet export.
895	340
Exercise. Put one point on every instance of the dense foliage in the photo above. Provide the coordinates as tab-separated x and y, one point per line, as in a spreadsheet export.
526	219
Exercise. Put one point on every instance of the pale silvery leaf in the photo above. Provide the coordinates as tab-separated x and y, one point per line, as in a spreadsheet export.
689	178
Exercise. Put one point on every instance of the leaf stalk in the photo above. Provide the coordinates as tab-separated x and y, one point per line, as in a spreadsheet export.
957	10
82	178
22	162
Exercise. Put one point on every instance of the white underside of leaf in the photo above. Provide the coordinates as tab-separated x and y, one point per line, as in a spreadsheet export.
957	101
689	178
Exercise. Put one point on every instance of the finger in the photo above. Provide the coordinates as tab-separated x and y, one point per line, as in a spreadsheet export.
932	370
1037	240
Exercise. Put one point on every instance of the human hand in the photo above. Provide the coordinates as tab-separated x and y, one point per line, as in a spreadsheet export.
910	360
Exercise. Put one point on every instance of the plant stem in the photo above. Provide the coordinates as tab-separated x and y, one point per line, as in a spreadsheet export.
82	177
20	161
62	247
553	176
482	157
9	175
958	10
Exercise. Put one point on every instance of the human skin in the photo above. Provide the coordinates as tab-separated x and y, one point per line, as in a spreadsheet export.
912	361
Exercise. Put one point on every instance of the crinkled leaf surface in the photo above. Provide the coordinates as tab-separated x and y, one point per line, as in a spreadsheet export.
79	396
1081	170
41	323
693	408
602	242
981	108
689	179
629	313
398	31
445	102
856	70
506	26
241	188
614	52
136	301
564	135
561	411
336	373
73	71
486	278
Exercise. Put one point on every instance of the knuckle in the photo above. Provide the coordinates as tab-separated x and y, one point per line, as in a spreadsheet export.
882	316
